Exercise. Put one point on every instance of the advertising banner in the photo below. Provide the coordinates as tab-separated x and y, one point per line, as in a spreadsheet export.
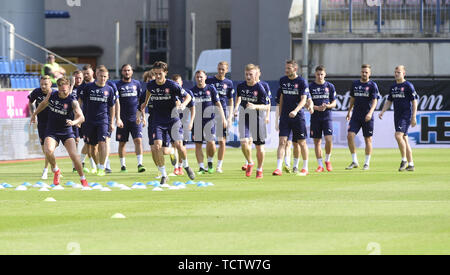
14	104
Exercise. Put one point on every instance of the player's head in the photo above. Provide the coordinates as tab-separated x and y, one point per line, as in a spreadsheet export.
78	75
63	86
149	75
222	68
321	73
127	72
290	68
250	73
366	71
102	74
178	79
400	72
45	82
88	73
200	77
258	73
160	69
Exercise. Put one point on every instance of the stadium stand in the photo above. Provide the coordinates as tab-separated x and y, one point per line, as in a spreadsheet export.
13	75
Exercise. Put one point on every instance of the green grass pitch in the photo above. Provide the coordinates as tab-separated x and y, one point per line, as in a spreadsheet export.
343	212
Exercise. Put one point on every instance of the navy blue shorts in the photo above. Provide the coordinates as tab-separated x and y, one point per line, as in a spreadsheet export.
166	132
402	125
96	133
295	126
356	124
129	127
60	137
76	131
202	136
319	127
258	134
42	133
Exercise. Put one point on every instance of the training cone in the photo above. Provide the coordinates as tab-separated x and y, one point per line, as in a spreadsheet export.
21	188
49	200
190	182
77	186
44	189
118	216
158	189
105	189
86	188
27	184
125	188
1	187
58	188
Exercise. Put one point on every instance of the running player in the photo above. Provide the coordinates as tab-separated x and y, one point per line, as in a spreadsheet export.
130	92
61	104
99	98
294	93
253	101
37	96
404	97
164	122
186	121
364	97
206	97
78	81
225	88
323	95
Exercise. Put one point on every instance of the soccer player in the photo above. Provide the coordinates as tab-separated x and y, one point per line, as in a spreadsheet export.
205	97
187	122
88	78
253	101
164	122
293	97
99	98
323	96
224	87
130	91
404	97
37	96
61	104
364	97
289	143
78	81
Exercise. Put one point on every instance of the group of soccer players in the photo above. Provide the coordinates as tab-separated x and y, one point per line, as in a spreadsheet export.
207	110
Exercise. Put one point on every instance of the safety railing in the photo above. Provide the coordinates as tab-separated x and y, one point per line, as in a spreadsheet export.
383	16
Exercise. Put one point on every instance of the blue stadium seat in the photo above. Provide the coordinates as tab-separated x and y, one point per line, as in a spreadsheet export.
13	81
28	82
36	83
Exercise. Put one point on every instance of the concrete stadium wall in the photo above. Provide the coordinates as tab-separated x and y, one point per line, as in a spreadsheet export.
344	58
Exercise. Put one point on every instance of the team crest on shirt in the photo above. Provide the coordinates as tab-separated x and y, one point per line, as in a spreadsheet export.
106	93
66	106
367	88
296	86
119	136
208	92
255	93
402	89
327	90
225	86
167	90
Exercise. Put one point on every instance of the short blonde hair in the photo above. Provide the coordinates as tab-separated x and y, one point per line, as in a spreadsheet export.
224	63
62	81
45	77
250	67
401	67
102	68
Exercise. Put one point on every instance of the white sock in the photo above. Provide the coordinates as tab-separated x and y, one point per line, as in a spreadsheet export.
411	163
122	162
246	162
296	161
320	162
219	163
55	169
210	159
101	167
162	169
305	164
201	165
327	157
82	157
177	165
367	159
404	159
92	163
287	162
355	158
259	169
82	177
108	164
279	163
140	159
185	163
45	171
